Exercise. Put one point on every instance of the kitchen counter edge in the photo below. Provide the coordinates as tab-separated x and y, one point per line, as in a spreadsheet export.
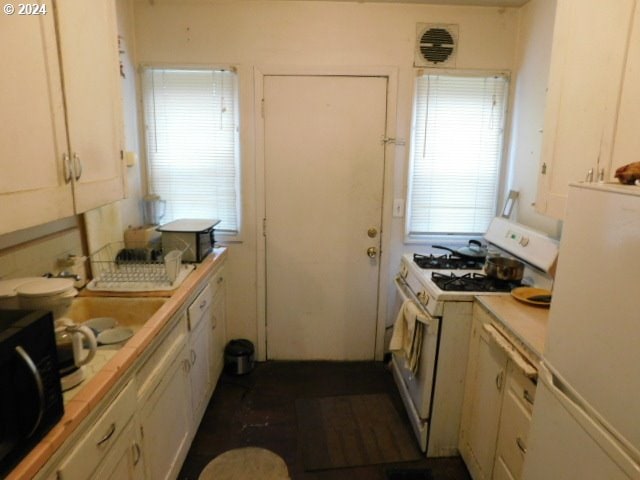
527	323
93	392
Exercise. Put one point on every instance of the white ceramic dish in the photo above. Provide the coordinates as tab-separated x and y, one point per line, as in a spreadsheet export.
114	335
99	324
525	295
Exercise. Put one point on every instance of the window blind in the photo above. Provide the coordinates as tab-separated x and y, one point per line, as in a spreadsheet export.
456	153
192	143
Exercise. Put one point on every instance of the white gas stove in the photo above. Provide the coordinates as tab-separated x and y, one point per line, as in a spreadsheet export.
443	287
435	278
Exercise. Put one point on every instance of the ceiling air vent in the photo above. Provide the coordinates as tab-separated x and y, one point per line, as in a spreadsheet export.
436	45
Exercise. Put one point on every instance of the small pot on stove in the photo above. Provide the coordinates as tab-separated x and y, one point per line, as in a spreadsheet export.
503	268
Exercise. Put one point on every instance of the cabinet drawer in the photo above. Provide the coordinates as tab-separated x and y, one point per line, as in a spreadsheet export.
217	281
200	306
514	431
150	374
93	446
522	387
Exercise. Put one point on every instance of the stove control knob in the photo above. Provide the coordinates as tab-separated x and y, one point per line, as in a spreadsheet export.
524	241
404	271
423	297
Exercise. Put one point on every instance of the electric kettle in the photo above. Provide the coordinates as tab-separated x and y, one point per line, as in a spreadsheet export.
70	339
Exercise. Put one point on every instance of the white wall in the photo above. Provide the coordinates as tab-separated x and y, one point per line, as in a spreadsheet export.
131	206
326	35
530	80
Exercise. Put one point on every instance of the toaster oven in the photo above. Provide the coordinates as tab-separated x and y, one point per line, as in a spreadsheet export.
194	237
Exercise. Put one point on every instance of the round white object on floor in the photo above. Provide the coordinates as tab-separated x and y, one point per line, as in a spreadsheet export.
248	463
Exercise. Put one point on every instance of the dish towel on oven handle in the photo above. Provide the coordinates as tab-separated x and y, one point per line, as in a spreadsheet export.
407	334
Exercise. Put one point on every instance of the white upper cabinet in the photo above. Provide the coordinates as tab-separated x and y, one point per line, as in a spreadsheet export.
35	182
88	38
61	108
626	148
587	64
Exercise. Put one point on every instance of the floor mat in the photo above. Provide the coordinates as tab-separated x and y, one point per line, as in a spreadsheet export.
352	430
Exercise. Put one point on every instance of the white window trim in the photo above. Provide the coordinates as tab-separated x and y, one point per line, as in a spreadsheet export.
456	240
222	237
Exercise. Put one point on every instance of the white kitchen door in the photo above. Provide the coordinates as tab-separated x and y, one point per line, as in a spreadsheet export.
324	165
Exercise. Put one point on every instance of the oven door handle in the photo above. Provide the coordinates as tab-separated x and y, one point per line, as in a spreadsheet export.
406	294
505	345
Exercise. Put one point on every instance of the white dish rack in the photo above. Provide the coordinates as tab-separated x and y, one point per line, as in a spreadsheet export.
136	268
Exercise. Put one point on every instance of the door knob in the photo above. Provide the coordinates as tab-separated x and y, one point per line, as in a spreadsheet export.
372	252
372	232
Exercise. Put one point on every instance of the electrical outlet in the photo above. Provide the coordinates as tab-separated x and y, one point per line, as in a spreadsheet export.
398	207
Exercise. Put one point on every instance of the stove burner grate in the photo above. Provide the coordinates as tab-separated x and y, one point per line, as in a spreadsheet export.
471	282
447	262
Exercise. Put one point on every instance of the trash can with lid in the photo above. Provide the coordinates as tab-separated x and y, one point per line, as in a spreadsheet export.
239	357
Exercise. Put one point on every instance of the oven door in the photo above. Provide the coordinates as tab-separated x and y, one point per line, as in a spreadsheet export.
416	389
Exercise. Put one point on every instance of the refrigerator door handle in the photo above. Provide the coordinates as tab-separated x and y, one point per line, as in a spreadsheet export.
618	448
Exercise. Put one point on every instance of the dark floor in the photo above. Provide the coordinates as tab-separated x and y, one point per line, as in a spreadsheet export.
258	410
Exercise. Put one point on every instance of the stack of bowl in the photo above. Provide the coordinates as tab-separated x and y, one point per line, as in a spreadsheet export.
54	294
8	295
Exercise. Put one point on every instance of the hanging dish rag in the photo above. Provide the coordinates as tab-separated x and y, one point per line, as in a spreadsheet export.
407	334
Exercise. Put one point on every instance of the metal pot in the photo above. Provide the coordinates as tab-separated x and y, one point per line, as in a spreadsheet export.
502	268
473	251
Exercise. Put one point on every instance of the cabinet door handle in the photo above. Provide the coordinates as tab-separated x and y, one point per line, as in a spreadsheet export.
214	322
77	165
203	304
521	446
220	280
499	379
66	163
194	357
109	434
137	453
527	396
186	366
589	176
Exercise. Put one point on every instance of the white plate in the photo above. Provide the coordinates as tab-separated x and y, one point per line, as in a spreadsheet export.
100	324
114	335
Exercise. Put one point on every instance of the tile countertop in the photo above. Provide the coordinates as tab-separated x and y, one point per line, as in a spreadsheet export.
527	322
93	390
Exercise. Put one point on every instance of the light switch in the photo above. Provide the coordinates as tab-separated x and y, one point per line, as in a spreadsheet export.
398	207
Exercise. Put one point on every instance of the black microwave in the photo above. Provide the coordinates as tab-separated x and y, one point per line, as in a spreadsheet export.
31	397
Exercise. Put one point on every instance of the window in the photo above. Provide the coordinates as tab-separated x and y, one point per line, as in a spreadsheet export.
191	124
456	154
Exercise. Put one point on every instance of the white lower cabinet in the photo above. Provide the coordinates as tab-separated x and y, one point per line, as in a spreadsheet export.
218	324
164	404
124	461
515	420
146	430
199	342
482	403
497	407
98	443
165	421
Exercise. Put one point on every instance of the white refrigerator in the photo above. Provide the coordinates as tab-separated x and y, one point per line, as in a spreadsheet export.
586	417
